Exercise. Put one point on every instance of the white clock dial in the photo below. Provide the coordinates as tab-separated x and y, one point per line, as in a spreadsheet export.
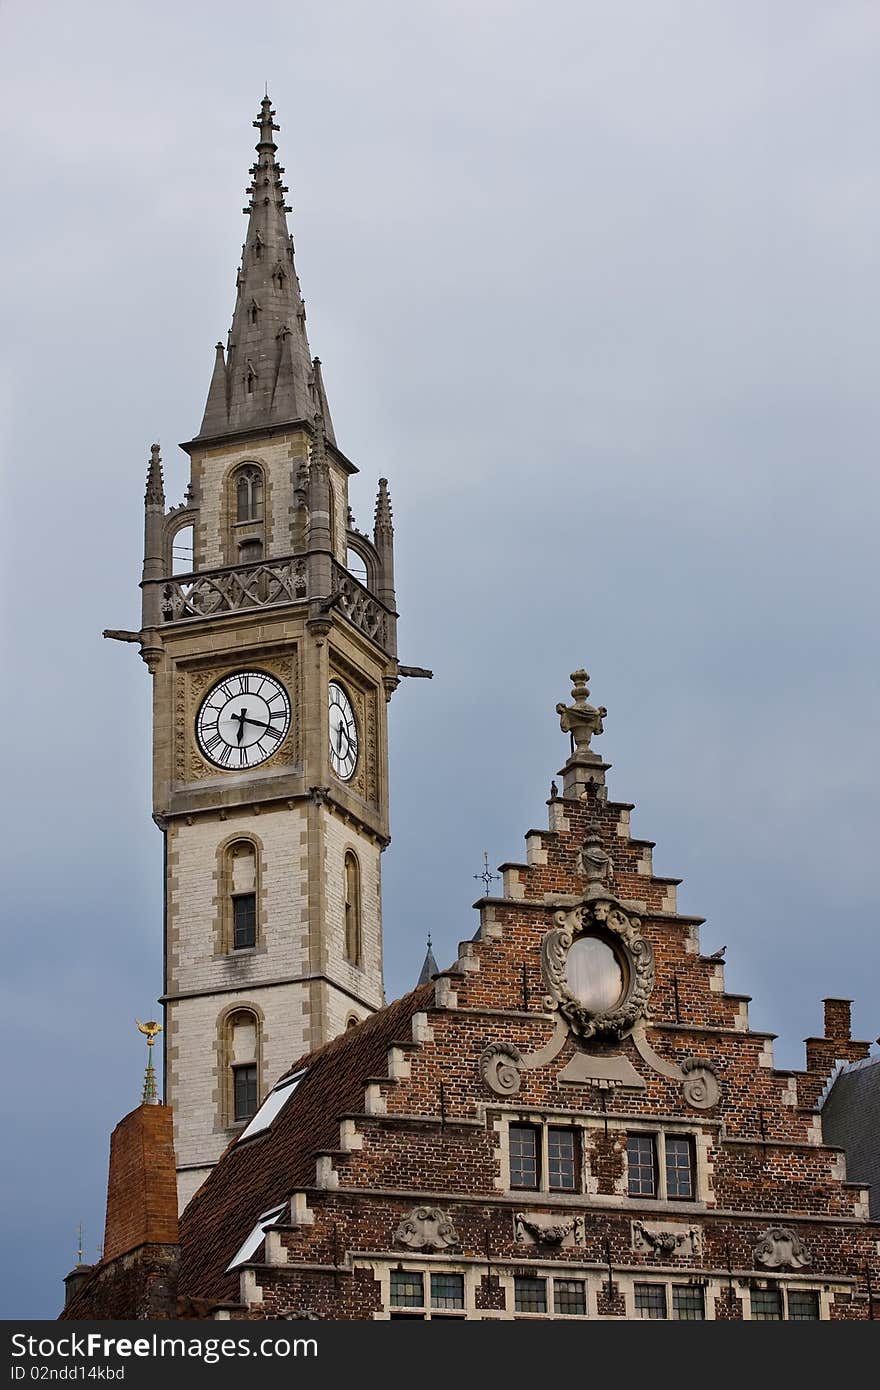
242	720
343	733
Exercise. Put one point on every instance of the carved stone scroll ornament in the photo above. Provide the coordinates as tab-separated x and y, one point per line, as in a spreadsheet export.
781	1247
547	1231
500	1067
698	1076
607	919
665	1239
426	1228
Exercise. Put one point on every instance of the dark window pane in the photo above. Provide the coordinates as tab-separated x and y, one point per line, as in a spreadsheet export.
679	1168
245	1085
766	1305
569	1296
523	1156
407	1289
562	1159
244	921
447	1290
641	1165
530	1295
688	1304
650	1300
803	1305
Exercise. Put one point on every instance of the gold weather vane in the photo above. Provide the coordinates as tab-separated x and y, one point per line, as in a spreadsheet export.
150	1030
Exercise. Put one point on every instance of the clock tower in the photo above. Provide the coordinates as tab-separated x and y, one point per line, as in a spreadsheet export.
269	627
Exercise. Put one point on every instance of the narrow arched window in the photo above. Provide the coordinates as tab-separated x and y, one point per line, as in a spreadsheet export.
182	551
241	878
242	1047
249	494
353	943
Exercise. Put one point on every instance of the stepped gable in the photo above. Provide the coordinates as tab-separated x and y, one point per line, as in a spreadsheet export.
585	1008
252	1176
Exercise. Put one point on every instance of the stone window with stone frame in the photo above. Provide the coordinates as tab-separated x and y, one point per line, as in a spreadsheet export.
354	946
426	1293
240	906
246	510
778	1304
241	1062
680	1302
544	1157
661	1166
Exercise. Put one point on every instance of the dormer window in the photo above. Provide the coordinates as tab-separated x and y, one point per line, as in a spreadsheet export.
254	311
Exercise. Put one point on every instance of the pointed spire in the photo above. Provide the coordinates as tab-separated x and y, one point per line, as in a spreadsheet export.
383	518
430	967
320	399
155	493
150	1093
267	376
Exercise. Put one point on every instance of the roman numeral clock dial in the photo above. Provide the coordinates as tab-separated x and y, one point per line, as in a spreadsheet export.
343	733
242	720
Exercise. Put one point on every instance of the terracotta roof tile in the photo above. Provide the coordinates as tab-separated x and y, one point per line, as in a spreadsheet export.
253	1176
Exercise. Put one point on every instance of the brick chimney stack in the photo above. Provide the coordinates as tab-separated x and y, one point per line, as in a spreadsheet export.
142	1185
838	1024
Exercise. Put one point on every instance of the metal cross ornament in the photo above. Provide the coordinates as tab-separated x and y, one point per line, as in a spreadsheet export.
486	876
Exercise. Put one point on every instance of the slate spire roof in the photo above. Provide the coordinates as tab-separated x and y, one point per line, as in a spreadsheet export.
266	375
430	967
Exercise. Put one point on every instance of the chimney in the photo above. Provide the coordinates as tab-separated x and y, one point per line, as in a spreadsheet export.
838	1025
142	1186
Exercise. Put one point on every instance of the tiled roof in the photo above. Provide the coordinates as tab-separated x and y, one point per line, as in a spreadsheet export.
253	1176
851	1121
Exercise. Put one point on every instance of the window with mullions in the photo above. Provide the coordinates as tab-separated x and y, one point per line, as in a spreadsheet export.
569	1297
641	1157
523	1151
679	1167
249	494
766	1305
688	1303
530	1295
562	1167
650	1300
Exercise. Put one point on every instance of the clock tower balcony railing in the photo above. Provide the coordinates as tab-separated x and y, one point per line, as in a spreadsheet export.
271	584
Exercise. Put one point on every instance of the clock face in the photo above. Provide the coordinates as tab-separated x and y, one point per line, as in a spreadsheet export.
242	720
343	733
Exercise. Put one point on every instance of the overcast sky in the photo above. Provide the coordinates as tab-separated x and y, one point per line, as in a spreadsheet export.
596	286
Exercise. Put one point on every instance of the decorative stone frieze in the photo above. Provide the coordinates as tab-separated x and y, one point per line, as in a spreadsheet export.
666	1239
537	1229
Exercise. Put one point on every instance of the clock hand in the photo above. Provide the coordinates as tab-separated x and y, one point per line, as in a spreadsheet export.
241	723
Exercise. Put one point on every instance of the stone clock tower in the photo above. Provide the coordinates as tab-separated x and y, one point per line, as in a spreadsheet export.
272	646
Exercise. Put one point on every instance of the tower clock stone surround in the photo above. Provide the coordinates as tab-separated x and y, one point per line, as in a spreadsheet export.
272	664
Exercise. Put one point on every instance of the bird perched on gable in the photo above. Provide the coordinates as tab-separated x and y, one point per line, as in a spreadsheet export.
717	955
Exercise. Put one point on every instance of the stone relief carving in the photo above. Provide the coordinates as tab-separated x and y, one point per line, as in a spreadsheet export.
698	1077
665	1239
360	607
594	863
426	1228
606	918
500	1066
546	1230
780	1247
701	1087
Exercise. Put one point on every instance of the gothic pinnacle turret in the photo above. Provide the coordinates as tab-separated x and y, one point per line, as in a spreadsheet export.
266	376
